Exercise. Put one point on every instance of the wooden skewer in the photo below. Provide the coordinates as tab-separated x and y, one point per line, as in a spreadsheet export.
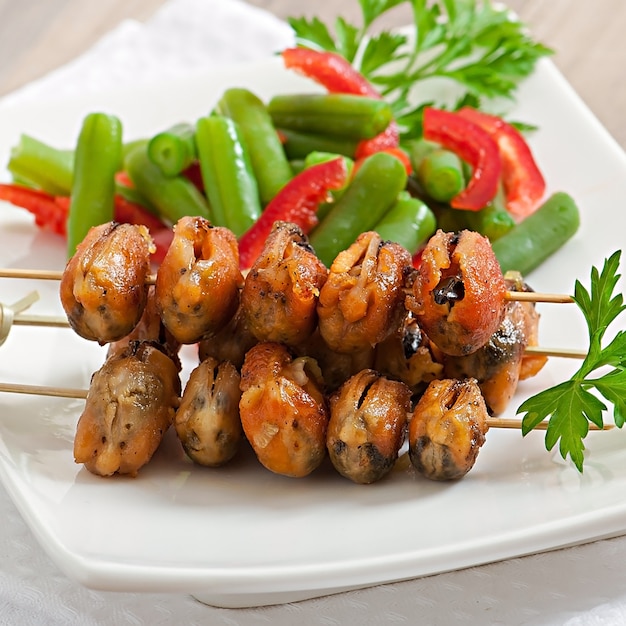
81	394
520	296
47	274
40	390
506	422
61	322
535	296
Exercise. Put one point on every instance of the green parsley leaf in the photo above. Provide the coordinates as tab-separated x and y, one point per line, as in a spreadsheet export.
475	45
571	405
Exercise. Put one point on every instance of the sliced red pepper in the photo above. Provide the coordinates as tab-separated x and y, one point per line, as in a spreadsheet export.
524	184
387	140
49	215
337	75
330	70
296	202
472	144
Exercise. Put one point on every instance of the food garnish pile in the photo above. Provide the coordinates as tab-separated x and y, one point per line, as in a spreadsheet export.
346	261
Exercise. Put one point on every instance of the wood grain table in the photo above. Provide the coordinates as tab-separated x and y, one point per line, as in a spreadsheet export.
588	38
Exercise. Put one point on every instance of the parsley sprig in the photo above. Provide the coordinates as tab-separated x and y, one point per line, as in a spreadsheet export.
571	405
480	48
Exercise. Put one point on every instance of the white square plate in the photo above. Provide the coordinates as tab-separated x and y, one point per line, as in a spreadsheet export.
241	536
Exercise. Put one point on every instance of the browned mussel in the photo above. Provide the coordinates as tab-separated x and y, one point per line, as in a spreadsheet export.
230	343
198	282
149	328
458	292
281	290
367	426
447	429
409	356
207	421
103	289
362	302
131	403
497	366
283	410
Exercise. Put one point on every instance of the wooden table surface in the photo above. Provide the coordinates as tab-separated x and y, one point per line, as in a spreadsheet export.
38	35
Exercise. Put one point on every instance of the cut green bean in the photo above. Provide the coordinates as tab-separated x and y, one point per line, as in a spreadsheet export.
269	161
227	174
373	189
174	149
441	175
172	197
341	115
409	222
494	221
539	236
417	149
98	157
43	166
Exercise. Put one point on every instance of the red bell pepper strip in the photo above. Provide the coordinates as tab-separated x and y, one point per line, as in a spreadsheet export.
51	213
387	140
524	184
338	75
330	70
296	202
472	144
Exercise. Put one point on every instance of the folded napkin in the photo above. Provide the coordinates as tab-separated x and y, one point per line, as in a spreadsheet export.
184	36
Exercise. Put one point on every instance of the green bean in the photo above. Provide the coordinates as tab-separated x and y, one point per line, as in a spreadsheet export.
174	149
417	149
408	222
98	157
373	189
172	197
493	221
268	159
43	166
540	235
298	144
342	115
227	174
440	173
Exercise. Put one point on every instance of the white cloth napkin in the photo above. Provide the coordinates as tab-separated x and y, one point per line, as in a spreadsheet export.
184	36
578	586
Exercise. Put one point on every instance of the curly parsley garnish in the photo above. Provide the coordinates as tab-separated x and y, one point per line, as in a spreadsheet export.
571	405
477	46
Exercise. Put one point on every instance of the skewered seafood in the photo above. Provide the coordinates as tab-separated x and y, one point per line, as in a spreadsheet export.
336	367
131	403
229	343
207	421
198	282
149	328
367	426
409	356
498	364
280	293
458	292
361	303
103	289
447	429
283	411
